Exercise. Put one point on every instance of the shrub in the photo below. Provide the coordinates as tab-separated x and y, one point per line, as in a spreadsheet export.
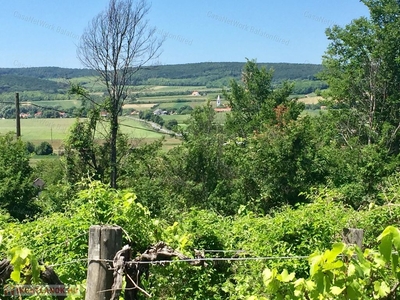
30	147
44	149
171	124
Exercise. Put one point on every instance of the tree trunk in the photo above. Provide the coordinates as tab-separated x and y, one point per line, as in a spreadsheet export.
113	145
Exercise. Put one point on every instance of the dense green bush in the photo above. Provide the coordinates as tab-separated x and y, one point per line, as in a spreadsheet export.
44	148
30	147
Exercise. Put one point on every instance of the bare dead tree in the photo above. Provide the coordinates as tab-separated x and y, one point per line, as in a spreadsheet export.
117	43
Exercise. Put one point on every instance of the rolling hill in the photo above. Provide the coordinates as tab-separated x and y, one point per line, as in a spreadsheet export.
210	74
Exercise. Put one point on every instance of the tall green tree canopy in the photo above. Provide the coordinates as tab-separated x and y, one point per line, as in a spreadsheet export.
16	180
362	68
257	102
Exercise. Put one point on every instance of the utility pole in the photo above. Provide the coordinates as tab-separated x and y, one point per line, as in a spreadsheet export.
18	119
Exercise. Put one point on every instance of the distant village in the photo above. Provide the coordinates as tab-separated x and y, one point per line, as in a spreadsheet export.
40	114
219	107
54	113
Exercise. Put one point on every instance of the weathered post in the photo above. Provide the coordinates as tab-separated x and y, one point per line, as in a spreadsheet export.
353	236
104	243
18	117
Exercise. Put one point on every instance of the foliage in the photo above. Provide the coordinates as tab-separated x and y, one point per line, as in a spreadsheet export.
30	147
172	124
83	154
285	162
197	168
308	86
57	191
14	83
16	189
344	272
88	149
185	109
145	171
362	70
150	116
44	148
288	233
256	103
61	239
193	231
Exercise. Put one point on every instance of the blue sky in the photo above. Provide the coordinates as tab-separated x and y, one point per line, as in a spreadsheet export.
45	32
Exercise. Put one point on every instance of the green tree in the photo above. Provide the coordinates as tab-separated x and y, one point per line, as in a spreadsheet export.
30	147
84	155
171	124
16	181
362	68
116	44
203	140
57	191
44	148
88	150
256	102
343	272
276	167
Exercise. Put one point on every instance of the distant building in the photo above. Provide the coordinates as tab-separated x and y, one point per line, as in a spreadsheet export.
24	116
218	101
158	112
222	109
196	93
38	114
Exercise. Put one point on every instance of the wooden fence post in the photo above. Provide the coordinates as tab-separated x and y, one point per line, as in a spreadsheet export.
104	243
353	236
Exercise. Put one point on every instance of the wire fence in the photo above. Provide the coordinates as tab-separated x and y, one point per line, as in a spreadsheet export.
207	259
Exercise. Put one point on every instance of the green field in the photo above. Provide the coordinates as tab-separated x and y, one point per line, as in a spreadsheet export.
180	118
55	131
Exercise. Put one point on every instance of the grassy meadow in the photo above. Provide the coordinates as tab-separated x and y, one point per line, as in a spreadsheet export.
55	131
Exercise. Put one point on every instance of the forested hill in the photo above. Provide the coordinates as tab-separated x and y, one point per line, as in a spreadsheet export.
219	73
213	74
47	72
15	83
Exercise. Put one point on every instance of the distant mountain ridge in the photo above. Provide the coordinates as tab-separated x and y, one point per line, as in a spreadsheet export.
210	74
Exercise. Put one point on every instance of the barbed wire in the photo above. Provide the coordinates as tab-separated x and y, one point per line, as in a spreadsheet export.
299	257
155	262
70	262
224	251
